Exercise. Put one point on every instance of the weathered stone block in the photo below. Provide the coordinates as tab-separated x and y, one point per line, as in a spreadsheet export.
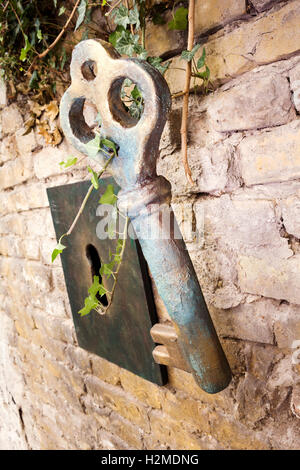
31	249
15	172
38	276
25	143
290	210
246	226
264	102
272	156
46	162
160	40
166	432
8	148
118	401
105	370
295	85
11	119
211	167
130	434
287	326
275	278
251	322
144	391
210	14
261	5
260	41
78	357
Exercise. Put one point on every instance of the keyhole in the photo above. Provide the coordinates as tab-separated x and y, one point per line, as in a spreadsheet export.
95	264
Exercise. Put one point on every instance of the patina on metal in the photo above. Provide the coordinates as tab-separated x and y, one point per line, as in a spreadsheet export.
123	335
97	73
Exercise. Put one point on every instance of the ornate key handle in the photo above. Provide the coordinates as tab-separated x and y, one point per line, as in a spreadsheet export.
97	73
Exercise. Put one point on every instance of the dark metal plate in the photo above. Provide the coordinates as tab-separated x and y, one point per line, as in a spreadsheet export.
122	335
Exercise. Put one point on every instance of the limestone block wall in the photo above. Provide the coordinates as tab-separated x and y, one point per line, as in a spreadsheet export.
244	151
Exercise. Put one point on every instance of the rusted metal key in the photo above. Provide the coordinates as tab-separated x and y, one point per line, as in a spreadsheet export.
97	73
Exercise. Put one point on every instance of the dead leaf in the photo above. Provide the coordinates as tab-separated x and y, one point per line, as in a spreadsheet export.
51	110
29	124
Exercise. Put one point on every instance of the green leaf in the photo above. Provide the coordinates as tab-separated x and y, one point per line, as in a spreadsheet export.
141	52
113	37
39	35
136	109
63	59
81	13
25	49
97	288
179	21
33	82
134	17
156	62
204	75
61	11
93	146
136	94
90	303
121	16
188	55
70	162
109	196
106	143
119	246
201	61
57	250
107	269
94	179
55	3
127	43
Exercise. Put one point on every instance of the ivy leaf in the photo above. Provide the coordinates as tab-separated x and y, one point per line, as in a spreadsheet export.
121	16
95	287
127	43
33	82
136	94
201	60
93	146
119	246
134	17
94	178
57	250
141	52
106	143
156	62
204	75
113	37
90	303
107	269
109	196
25	49
179	21
81	13
70	162
188	55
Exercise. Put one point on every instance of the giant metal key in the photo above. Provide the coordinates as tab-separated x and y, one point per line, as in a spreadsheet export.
97	74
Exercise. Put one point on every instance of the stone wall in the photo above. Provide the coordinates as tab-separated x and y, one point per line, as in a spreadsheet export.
244	147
